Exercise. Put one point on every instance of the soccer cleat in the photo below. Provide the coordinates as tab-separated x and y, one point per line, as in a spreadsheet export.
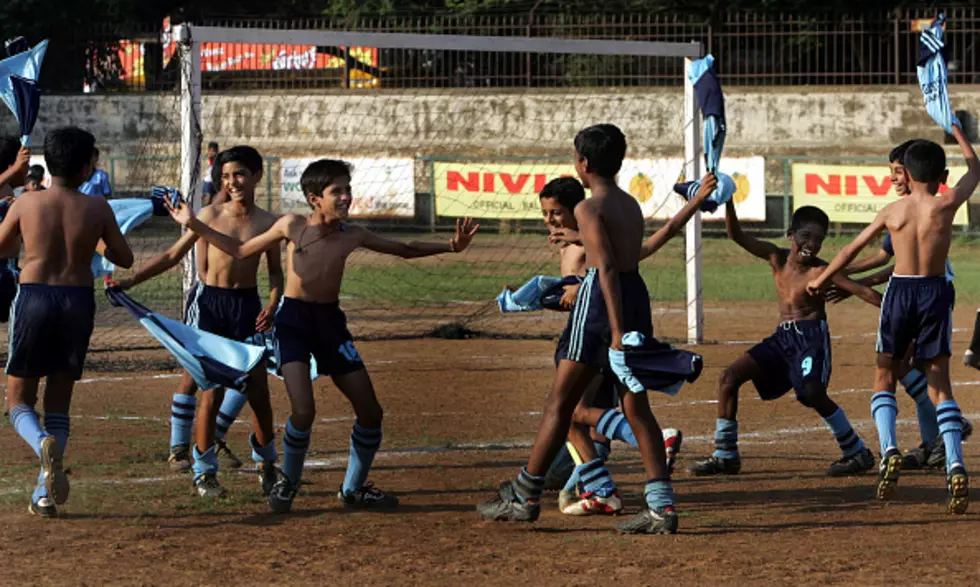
43	507
180	458
282	495
368	497
888	472
959	490
207	486
589	504
672	443
967	429
225	456
937	456
917	458
565	499
648	521
716	466
853	465
971	359
269	473
55	479
506	506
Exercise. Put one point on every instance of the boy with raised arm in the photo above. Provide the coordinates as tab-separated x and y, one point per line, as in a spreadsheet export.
612	301
53	315
931	452
918	305
225	303
311	323
797	356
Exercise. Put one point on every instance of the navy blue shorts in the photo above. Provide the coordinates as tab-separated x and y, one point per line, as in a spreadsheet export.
797	353
919	311
305	329
230	313
50	328
587	335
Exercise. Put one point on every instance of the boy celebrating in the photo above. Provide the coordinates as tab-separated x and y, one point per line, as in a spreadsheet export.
797	355
14	163
612	301
98	183
227	304
931	452
918	305
310	322
52	317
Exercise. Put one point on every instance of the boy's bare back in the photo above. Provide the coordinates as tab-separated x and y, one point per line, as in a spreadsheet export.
60	228
921	226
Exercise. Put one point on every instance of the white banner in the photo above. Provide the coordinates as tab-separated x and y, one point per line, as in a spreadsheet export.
381	187
651	182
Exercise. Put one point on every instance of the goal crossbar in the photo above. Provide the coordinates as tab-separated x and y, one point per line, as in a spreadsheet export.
190	38
206	34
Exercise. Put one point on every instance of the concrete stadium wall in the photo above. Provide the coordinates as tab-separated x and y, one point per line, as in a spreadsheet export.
814	121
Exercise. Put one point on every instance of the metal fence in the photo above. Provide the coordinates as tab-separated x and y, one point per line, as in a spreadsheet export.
751	50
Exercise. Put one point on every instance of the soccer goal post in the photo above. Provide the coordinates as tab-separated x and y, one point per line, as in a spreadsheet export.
480	145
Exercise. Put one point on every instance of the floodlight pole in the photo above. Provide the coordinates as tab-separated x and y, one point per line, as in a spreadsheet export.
190	137
693	169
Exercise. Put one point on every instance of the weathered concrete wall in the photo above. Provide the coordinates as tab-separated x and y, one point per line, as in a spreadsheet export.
761	121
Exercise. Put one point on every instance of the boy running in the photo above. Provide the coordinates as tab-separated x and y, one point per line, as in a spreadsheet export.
53	314
931	452
226	303
797	356
918	305
612	301
311	323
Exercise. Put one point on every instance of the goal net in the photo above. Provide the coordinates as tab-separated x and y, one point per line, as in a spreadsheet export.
437	127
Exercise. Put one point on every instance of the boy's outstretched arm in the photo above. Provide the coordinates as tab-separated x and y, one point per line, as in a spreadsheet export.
673	226
234	247
879	259
764	250
599	253
858	289
968	183
848	253
465	230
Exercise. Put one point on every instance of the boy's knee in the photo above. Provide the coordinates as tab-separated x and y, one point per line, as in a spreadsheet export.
303	418
729	381
813	396
370	416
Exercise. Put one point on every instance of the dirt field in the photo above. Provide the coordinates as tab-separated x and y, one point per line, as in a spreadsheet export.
459	419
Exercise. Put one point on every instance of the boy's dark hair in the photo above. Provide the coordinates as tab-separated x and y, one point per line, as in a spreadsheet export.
809	215
9	147
213	145
320	174
216	173
67	150
247	156
95	151
35	173
566	190
925	161
897	154
604	146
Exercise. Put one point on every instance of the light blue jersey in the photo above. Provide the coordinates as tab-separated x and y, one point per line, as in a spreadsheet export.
97	185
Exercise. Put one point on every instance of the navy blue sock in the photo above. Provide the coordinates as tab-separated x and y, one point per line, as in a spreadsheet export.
263	453
726	439
295	444
951	427
884	410
364	443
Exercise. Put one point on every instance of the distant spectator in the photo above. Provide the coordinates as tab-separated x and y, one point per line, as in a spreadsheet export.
98	184
35	179
211	187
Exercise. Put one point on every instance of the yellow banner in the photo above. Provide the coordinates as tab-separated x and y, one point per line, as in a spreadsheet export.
853	193
493	191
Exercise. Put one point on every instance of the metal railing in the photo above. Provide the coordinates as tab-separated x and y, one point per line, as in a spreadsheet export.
751	50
